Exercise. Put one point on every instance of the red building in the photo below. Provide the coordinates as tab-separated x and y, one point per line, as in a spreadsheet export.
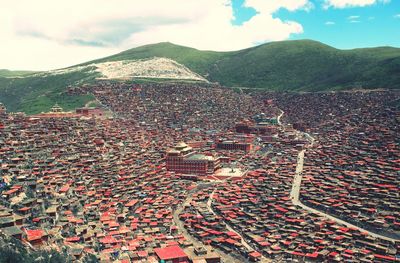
36	237
233	145
56	112
89	111
172	254
183	159
248	127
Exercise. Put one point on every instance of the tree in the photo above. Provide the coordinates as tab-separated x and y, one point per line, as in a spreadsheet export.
12	250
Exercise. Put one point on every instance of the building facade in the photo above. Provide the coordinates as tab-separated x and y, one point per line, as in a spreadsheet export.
262	128
90	111
183	159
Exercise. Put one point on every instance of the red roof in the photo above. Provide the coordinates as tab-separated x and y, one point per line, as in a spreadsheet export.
131	203
72	239
34	234
64	189
312	255
168	253
385	257
255	254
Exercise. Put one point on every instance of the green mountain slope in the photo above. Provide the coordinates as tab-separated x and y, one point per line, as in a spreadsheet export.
301	65
37	93
19	73
198	61
285	65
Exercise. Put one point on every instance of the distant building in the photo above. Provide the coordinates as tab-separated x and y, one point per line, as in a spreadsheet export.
261	128
262	118
233	145
90	111
56	108
56	112
183	159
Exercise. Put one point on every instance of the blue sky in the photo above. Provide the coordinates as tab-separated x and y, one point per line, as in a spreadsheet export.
352	27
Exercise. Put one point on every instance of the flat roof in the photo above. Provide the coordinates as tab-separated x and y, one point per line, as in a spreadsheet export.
227	171
172	252
200	157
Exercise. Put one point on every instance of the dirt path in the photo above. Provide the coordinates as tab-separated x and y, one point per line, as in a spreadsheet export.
92	101
279	117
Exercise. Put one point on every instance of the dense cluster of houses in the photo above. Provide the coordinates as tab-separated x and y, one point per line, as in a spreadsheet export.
100	184
354	171
259	207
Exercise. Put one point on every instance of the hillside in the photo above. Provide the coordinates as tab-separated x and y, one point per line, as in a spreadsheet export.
13	250
301	65
20	73
286	65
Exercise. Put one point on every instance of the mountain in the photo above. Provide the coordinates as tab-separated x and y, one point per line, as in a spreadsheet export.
196	60
301	65
285	65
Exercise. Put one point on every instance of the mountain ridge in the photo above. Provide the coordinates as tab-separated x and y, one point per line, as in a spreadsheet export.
294	65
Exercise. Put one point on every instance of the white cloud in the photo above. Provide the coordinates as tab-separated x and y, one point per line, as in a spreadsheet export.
330	23
272	6
397	16
353	17
45	34
352	3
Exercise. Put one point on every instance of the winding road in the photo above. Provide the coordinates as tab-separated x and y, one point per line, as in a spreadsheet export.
295	193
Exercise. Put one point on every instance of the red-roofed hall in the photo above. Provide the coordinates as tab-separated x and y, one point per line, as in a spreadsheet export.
171	254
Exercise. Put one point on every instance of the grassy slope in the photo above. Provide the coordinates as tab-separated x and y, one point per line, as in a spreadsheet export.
287	65
35	94
15	73
309	65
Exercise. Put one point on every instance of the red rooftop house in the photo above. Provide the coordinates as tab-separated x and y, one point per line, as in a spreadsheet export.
182	159
171	254
36	237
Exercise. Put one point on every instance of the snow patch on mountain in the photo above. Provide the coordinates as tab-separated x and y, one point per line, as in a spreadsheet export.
157	67
163	68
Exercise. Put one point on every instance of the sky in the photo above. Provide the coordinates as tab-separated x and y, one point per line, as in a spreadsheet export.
48	34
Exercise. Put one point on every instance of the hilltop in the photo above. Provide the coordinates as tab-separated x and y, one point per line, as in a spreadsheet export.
301	65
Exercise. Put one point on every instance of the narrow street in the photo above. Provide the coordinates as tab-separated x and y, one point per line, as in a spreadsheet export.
243	241
224	257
